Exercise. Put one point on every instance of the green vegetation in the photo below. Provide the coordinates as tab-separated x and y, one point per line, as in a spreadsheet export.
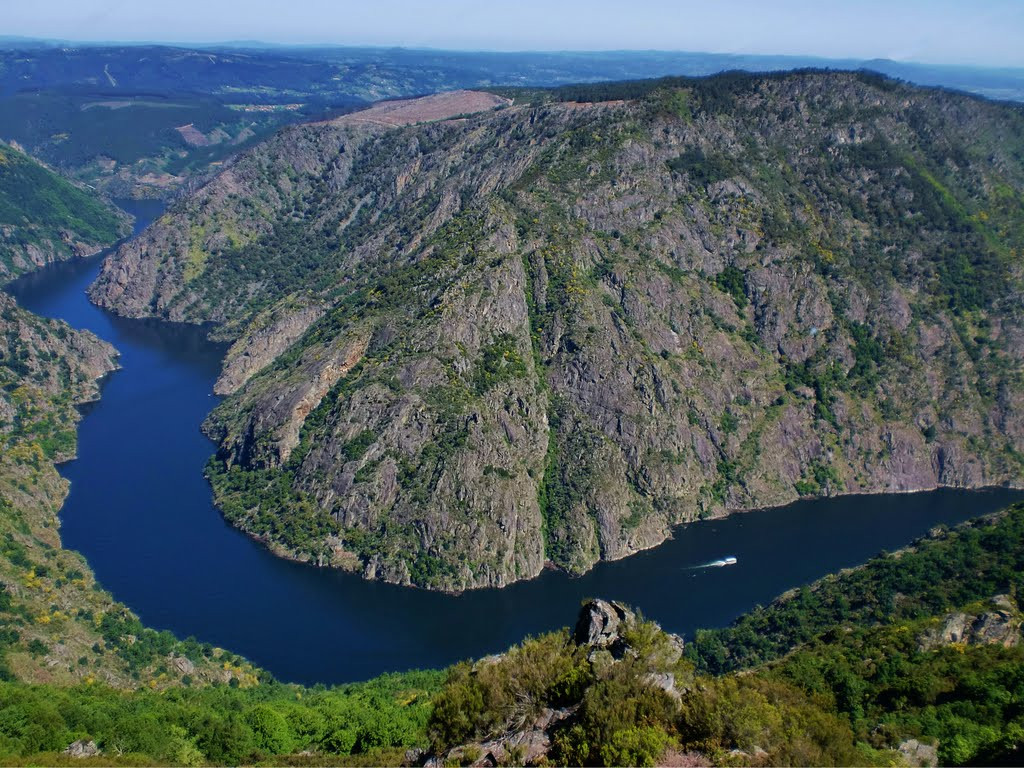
219	725
731	281
563	490
966	698
711	95
975	562
265	503
500	362
618	717
44	211
703	169
970	265
72	130
851	678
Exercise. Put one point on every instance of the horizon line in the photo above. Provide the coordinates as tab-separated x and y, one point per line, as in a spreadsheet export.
266	45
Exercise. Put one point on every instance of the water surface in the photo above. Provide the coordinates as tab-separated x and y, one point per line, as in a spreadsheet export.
141	512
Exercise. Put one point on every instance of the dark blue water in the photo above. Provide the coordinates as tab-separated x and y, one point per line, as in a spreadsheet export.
140	511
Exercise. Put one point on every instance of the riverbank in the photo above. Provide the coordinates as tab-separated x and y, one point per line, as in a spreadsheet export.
59	625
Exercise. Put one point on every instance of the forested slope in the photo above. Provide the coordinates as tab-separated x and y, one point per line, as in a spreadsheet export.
45	218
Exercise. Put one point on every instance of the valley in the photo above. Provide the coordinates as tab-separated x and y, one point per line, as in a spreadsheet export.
162	548
313	467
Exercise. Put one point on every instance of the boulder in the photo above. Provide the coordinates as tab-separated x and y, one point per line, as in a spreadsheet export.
600	623
82	748
919	755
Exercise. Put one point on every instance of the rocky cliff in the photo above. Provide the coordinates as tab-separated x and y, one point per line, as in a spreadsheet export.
547	332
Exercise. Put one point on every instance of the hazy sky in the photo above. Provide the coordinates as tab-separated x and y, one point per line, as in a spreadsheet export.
941	31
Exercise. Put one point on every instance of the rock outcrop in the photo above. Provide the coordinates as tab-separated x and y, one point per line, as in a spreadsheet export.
599	625
999	626
265	339
603	635
82	748
919	755
588	322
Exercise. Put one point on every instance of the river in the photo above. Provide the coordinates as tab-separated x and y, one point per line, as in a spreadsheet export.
141	512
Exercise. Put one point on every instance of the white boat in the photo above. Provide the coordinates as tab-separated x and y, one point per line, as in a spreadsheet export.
723	562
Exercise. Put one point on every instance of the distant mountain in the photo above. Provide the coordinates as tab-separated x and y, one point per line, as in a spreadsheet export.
246	71
547	331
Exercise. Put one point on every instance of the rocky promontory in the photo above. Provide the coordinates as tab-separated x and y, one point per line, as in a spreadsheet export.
547	332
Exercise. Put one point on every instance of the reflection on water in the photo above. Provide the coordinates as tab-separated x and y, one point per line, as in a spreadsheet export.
140	511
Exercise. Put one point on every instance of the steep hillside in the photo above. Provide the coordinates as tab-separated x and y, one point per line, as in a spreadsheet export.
44	218
57	625
549	332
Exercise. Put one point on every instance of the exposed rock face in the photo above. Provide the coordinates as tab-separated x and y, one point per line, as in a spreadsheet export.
601	626
1001	626
547	334
82	748
599	623
919	755
266	338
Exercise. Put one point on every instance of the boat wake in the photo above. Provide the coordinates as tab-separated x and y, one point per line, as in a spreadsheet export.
715	563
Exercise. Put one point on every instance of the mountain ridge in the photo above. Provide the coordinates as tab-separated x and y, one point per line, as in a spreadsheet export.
551	332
